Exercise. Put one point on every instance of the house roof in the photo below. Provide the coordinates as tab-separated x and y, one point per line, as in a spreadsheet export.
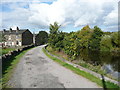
6	32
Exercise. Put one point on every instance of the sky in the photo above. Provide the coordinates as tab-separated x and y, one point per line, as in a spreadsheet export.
72	15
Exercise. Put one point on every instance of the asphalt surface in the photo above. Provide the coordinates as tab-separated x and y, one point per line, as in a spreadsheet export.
36	70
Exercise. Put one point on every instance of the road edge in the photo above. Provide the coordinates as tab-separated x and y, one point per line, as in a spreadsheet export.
98	81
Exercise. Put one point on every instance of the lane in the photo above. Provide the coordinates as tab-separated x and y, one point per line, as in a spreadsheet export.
36	70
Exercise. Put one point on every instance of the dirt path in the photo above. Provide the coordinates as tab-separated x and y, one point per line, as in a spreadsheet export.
36	70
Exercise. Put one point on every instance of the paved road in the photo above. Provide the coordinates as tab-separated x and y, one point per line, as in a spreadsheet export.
36	70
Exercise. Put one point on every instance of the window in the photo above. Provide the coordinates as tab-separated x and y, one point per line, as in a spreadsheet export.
9	38
17	36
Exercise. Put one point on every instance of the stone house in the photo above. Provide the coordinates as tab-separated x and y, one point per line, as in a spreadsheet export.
37	40
18	37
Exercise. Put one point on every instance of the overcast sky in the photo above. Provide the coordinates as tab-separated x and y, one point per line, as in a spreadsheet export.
36	15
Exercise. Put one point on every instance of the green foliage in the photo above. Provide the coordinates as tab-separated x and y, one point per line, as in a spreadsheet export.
106	43
43	37
53	36
115	39
54	28
82	73
6	50
95	39
107	33
56	37
59	44
71	45
84	34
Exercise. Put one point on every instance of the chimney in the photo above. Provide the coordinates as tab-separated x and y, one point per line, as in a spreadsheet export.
10	29
17	28
4	30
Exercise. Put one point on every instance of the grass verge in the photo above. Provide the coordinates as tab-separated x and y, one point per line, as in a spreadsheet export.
87	75
7	72
80	62
6	50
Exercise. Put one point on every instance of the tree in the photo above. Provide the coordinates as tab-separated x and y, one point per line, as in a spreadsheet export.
106	43
43	37
54	28
54	33
59	38
84	34
115	39
94	41
71	45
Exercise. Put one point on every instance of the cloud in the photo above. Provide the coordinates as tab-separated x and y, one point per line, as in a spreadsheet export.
5	1
65	12
18	17
78	12
112	17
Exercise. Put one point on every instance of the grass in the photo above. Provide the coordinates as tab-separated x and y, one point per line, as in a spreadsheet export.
82	73
96	69
80	62
6	50
8	68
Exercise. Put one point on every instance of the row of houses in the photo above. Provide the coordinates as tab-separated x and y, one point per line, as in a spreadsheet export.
18	37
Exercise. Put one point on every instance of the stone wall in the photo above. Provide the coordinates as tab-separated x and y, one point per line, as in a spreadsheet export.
14	53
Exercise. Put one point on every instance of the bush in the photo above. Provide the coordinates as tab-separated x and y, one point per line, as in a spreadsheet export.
106	43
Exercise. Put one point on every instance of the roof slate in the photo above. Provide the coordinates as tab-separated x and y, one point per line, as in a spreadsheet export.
6	32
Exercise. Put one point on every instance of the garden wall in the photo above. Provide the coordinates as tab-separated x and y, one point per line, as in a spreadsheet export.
12	54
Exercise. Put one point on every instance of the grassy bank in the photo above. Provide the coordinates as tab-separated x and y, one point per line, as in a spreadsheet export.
81	62
87	75
6	50
8	68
